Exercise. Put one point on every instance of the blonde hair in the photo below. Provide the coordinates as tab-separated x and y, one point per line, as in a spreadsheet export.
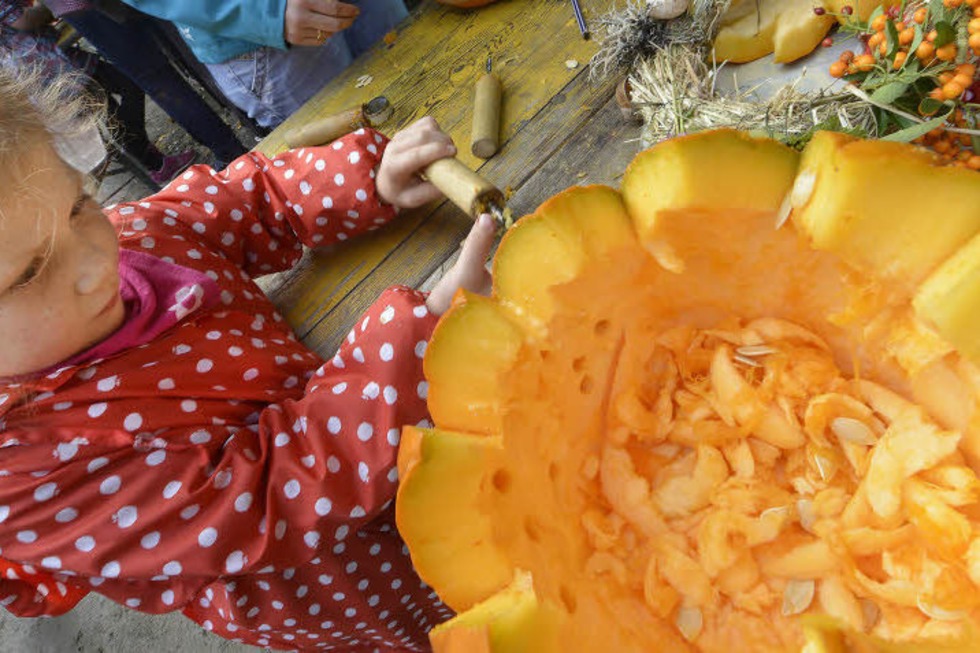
37	109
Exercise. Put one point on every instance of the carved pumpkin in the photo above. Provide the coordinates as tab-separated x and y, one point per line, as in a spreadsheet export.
732	407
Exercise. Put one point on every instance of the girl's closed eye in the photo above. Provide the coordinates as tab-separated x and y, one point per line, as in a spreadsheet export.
78	206
30	273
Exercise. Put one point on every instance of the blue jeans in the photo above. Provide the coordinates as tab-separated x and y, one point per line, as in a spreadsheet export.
131	47
271	84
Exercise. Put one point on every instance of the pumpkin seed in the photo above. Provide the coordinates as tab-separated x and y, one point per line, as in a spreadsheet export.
689	621
938	613
826	467
747	360
571	63
775	510
806	513
802	189
756	350
798	596
853	430
802	485
785	209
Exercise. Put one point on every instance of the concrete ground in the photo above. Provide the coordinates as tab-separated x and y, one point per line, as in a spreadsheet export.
98	625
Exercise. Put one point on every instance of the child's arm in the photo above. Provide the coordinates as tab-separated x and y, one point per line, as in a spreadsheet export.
153	497
259	212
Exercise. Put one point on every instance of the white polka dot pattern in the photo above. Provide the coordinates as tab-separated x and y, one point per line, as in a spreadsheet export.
224	450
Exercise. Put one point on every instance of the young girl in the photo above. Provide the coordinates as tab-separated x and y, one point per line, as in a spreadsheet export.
164	438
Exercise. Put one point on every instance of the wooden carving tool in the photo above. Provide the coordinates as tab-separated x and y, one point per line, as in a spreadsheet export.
485	138
467	190
325	130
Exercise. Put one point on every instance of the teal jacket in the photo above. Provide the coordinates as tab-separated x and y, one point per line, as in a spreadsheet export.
219	30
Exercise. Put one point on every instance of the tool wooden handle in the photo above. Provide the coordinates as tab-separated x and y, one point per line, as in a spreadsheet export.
464	188
486	117
326	129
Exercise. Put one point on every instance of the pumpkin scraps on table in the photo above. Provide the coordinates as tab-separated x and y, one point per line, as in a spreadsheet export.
732	406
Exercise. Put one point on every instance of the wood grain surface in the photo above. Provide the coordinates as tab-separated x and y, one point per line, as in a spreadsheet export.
558	129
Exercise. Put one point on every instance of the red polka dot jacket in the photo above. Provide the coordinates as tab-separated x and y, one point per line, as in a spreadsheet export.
223	469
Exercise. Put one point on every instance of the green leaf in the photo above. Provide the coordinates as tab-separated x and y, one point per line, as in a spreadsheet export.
892	34
929	106
889	92
914	45
946	33
936	10
879	10
911	133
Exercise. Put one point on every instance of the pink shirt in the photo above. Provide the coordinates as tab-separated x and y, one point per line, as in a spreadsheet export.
157	295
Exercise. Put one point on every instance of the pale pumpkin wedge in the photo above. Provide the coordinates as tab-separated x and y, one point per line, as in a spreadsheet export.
950	299
467	397
583	223
512	620
453	541
788	28
679	176
871	203
736	430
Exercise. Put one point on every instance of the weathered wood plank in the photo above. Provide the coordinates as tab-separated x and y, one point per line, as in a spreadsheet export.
431	83
601	148
321	282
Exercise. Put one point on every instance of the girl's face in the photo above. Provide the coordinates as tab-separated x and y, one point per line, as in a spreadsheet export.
59	276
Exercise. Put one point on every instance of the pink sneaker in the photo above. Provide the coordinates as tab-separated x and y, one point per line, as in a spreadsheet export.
172	166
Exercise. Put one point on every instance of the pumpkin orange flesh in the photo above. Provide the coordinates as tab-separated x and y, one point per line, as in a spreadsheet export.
716	436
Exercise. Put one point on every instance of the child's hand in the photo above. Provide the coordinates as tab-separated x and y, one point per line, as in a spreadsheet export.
470	271
408	153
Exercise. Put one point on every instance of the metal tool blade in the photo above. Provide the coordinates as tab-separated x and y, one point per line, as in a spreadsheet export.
377	110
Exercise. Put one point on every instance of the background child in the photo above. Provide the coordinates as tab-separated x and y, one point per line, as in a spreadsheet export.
164	438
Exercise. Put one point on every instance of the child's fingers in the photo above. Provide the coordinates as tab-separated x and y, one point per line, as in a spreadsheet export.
414	159
419	194
419	132
477	245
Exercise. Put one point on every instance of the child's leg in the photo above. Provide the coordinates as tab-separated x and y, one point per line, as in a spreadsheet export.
127	108
132	47
270	84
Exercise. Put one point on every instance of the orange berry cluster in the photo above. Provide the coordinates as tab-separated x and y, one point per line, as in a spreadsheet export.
957	82
952	84
955	149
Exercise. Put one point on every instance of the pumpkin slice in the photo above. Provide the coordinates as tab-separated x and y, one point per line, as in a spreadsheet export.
721	170
449	533
511	621
874	204
467	397
799	31
950	299
749	37
550	246
789	28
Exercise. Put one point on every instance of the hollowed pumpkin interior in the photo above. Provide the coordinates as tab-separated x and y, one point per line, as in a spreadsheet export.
687	429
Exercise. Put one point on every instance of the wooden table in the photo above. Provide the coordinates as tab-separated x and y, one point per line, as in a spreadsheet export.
558	129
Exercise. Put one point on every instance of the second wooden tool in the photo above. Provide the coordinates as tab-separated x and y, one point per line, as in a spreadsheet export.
485	138
467	190
324	130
